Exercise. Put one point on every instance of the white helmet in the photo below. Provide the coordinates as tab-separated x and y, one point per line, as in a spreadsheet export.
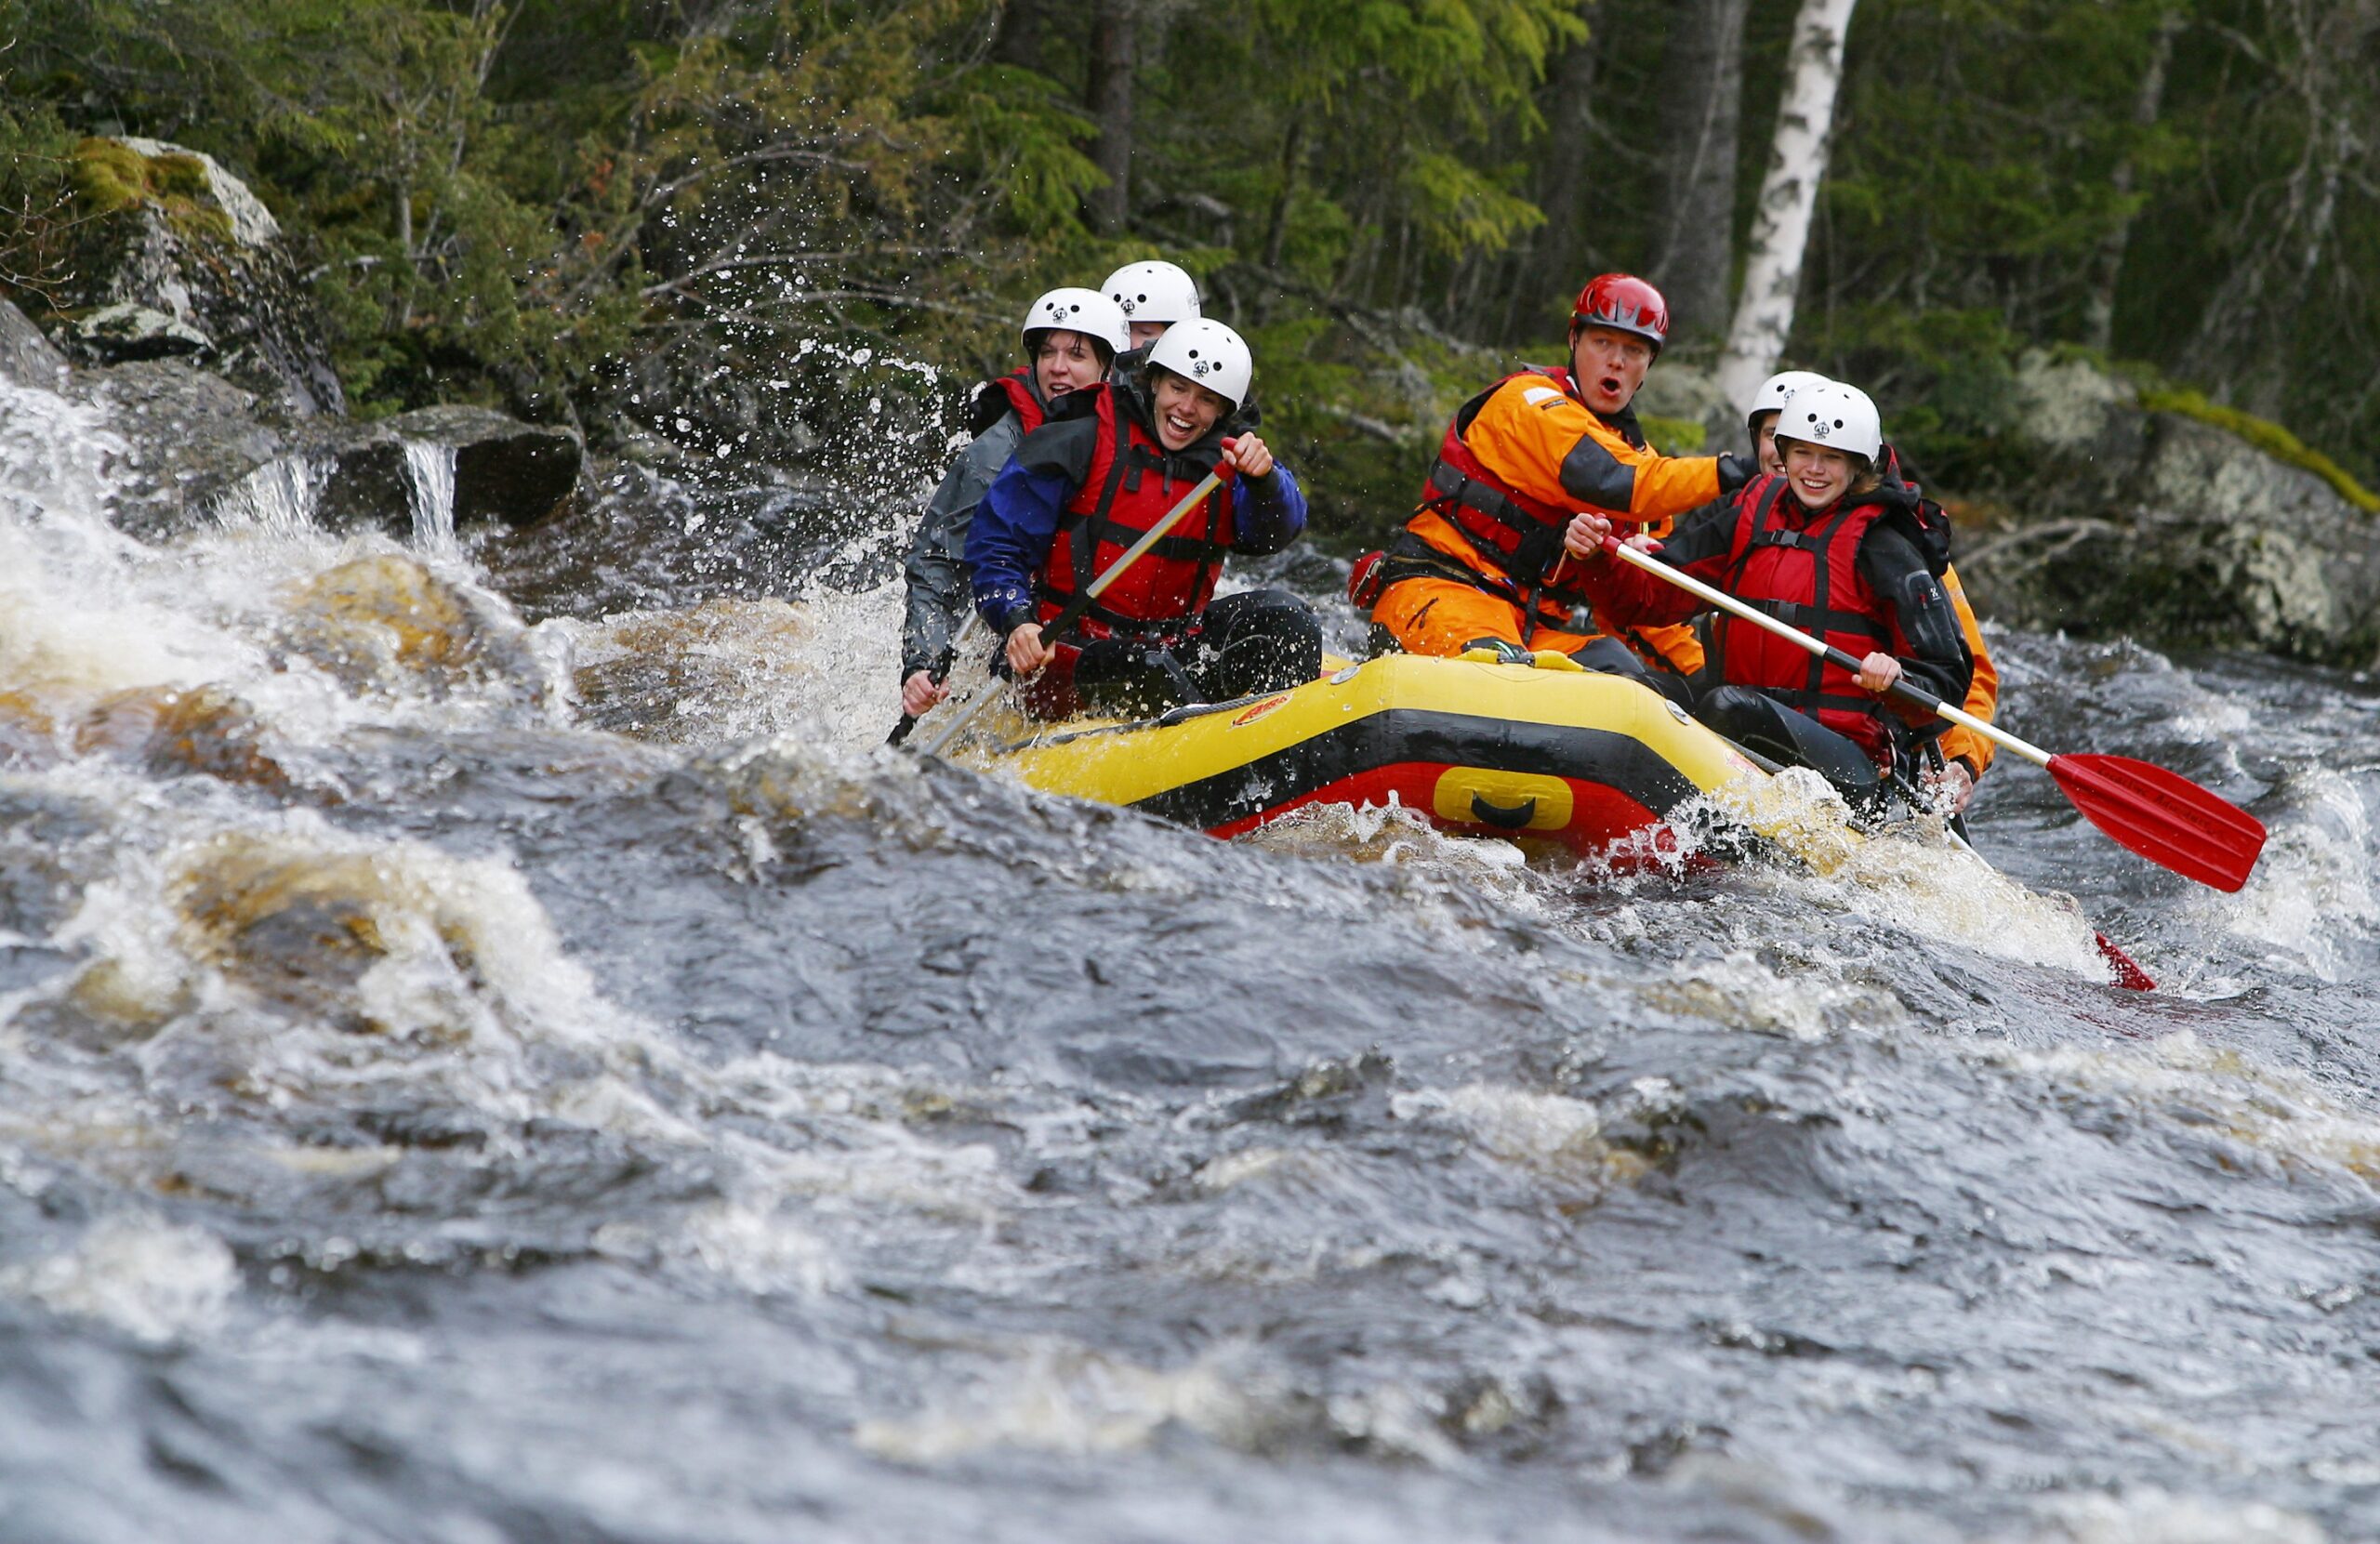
1208	354
1154	291
1773	391
1830	414
1081	310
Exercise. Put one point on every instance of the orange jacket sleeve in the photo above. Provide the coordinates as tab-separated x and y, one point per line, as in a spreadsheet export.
1983	690
1543	442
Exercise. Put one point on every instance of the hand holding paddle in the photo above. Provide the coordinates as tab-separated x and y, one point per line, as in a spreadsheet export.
1039	640
2161	815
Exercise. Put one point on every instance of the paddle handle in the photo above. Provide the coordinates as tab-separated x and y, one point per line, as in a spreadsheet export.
1081	606
1916	697
958	641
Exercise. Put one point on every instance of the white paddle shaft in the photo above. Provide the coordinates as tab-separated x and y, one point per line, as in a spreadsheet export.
1793	635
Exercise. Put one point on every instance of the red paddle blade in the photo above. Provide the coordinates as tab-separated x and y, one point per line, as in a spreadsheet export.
2163	816
2128	971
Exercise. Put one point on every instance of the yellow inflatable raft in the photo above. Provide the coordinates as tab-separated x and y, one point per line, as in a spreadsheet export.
1554	753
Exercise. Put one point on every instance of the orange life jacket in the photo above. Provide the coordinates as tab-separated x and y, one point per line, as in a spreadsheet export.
1132	484
1803	569
1523	534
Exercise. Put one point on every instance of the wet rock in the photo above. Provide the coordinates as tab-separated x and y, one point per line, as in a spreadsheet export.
26	357
124	331
2160	516
174	732
387	623
298	928
491	468
201	450
195	441
646	674
28	733
168	231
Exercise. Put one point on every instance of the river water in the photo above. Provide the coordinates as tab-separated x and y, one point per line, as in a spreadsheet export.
496	1050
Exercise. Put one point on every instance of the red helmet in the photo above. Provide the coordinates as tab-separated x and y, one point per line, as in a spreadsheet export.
1624	303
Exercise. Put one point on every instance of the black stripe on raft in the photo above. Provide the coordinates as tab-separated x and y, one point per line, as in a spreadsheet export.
1381	739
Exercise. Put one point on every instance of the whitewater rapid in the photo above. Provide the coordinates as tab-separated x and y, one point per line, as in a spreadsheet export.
494	1048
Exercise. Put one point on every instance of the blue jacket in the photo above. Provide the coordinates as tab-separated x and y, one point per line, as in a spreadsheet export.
1017	521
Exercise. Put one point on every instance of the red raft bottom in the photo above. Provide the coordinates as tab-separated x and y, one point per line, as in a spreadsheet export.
1592	820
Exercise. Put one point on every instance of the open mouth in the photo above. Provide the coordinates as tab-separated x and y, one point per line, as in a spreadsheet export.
1180	427
1610	384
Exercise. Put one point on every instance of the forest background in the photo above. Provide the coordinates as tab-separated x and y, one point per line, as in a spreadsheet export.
742	226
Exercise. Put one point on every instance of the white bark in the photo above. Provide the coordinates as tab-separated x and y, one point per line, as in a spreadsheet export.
1789	195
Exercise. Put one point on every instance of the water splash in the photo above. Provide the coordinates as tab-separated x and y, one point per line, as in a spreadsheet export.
429	486
279	498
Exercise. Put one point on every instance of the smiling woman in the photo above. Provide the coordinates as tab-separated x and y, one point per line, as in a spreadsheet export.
1828	546
1080	493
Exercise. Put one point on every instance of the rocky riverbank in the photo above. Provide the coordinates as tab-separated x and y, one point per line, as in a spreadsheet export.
2106	504
186	321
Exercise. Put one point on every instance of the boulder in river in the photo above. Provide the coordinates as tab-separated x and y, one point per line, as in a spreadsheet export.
27	357
479	465
387	623
2132	508
198	447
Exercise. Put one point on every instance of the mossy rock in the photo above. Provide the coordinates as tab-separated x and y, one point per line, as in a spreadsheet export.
2267	437
110	178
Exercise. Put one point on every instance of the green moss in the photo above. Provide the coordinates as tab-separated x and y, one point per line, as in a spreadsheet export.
109	176
2267	437
1674	436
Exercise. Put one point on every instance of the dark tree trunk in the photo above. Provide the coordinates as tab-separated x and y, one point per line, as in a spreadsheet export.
1553	273
1276	228
1530	284
1702	90
1021	38
2106	267
1114	34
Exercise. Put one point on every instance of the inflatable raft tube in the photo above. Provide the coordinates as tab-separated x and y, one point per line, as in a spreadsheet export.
1552	753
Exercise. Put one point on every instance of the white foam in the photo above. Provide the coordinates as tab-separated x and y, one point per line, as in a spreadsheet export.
430	487
156	1281
2269	1114
2311	893
1063	1398
2150	1515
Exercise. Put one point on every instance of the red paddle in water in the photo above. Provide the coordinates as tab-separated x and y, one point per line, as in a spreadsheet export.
2161	815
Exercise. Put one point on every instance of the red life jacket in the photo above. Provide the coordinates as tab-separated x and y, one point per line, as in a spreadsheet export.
1521	534
1131	485
997	398
1803	569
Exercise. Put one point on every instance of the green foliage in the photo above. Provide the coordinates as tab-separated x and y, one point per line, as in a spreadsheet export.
2267	437
35	223
588	206
1675	436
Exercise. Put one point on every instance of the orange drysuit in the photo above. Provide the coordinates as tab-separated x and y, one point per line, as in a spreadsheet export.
1479	560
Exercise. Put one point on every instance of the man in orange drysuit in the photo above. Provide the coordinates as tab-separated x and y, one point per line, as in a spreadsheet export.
1480	564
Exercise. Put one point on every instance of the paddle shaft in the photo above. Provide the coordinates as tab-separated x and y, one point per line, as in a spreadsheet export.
1077	609
1915	696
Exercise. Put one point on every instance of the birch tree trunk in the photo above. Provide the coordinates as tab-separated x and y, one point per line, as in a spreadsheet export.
1694	229
1788	196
